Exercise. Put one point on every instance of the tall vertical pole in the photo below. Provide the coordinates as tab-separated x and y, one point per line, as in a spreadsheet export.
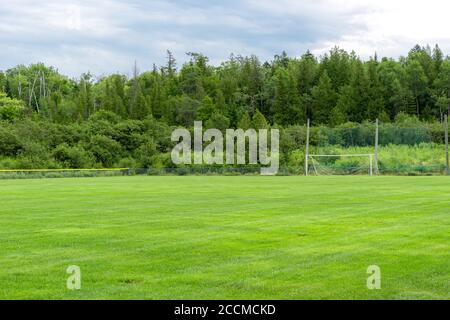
371	166
376	148
307	149
447	165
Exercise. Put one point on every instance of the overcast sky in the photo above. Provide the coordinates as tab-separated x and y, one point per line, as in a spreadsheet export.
106	36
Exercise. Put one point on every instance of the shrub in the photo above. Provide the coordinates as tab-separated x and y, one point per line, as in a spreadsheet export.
10	109
105	150
127	163
73	157
34	155
161	160
129	134
145	153
105	115
9	163
9	141
160	132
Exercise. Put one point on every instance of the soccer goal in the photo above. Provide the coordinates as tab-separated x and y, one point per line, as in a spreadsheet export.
341	164
402	147
329	160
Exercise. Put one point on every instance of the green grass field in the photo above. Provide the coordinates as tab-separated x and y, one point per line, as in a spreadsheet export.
210	237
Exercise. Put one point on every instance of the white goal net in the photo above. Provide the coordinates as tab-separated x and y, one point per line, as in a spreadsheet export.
341	164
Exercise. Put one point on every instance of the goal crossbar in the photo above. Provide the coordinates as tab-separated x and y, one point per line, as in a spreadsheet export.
342	155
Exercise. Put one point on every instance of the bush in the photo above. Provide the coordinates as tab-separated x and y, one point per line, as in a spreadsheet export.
34	155
10	109
9	141
127	163
129	134
73	157
161	160
104	115
9	163
105	150
160	132
100	127
145	153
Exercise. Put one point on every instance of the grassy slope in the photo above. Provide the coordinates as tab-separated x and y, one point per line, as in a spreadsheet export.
225	237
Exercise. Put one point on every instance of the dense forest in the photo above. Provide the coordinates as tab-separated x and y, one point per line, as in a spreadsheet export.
48	120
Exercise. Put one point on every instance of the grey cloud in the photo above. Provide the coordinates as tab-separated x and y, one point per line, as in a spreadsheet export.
110	34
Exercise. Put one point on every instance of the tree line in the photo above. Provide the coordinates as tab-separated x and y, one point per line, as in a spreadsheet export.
48	120
333	89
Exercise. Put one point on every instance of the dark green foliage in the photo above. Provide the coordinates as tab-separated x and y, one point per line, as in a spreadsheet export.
108	116
259	121
129	134
244	122
105	150
324	100
145	153
286	108
9	141
35	155
182	110
336	88
218	121
72	157
49	120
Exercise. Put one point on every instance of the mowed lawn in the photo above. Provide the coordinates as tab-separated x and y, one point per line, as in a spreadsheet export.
209	237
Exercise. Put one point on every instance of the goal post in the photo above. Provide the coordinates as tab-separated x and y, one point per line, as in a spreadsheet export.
447	161
307	149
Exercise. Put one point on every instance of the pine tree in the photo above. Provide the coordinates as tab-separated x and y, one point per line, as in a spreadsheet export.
438	59
344	105
376	104
307	71
287	108
259	121
206	109
218	121
360	89
324	99
85	102
244	122
417	81
2	82
156	94
220	103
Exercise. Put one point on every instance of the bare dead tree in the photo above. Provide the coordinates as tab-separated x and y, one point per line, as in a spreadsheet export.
32	93
44	90
31	90
20	86
134	91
